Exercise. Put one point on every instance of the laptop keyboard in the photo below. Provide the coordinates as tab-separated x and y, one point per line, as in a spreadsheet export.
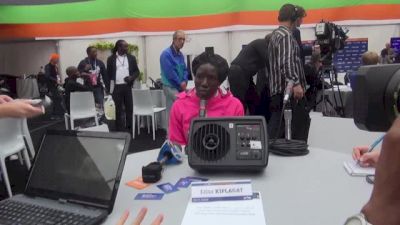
18	213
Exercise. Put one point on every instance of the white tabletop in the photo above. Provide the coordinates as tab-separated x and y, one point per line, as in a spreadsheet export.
309	190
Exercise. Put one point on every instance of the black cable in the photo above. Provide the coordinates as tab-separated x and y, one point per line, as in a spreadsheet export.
284	147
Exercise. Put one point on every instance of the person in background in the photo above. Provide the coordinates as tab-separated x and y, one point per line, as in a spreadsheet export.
139	218
52	76
122	71
209	72
384	204
98	69
312	70
387	54
286	66
75	82
18	108
174	74
250	61
368	58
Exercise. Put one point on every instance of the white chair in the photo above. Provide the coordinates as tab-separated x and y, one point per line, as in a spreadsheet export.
82	106
143	106
11	143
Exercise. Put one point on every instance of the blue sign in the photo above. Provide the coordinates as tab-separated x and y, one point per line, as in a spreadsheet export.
349	58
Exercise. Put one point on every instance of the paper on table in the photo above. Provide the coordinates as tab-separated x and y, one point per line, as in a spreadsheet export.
225	212
356	170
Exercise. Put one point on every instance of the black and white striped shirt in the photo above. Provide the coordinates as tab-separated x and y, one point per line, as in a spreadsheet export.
284	61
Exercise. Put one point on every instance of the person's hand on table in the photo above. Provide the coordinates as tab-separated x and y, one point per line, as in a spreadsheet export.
139	218
367	159
5	99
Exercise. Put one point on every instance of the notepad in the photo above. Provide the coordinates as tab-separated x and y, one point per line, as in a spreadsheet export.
356	170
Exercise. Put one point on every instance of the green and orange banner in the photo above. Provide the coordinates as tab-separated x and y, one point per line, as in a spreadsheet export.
112	16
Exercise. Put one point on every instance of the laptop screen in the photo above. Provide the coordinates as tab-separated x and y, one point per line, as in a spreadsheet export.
80	166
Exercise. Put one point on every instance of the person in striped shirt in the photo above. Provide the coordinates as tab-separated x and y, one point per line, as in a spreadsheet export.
285	66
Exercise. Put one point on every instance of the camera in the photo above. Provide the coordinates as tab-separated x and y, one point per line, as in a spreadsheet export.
330	38
376	96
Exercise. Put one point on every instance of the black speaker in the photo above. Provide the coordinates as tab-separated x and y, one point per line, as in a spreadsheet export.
228	143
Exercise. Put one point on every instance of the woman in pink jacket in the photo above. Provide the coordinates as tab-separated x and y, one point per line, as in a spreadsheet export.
209	70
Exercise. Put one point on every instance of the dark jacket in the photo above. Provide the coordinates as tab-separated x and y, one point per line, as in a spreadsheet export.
252	57
71	85
103	71
112	67
50	73
304	50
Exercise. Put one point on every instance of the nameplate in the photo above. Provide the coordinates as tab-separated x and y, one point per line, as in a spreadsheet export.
232	190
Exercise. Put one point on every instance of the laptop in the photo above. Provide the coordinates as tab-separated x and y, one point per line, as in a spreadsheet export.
73	180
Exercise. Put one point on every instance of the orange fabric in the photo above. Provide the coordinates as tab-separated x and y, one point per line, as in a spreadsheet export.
363	12
54	56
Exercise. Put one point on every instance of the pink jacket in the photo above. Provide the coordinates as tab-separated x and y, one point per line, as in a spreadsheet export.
187	106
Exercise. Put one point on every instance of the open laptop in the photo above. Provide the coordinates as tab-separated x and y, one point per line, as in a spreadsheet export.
74	180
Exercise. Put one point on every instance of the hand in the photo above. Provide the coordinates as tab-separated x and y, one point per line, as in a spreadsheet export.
5	99
129	79
298	92
139	218
366	159
183	86
20	109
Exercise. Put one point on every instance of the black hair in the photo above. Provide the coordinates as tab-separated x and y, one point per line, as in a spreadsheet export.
117	46
288	12
89	49
220	64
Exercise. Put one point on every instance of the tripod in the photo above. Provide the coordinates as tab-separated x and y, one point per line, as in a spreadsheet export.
329	71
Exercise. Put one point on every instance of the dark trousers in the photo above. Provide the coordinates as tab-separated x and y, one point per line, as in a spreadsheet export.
98	93
58	107
300	119
122	97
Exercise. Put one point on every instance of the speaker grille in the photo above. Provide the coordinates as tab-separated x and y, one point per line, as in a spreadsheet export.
211	142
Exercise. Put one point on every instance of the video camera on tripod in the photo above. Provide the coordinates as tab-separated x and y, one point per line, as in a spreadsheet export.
331	38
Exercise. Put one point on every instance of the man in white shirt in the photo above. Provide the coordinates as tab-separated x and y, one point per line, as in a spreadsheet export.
122	71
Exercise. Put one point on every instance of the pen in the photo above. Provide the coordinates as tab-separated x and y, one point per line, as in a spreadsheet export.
373	146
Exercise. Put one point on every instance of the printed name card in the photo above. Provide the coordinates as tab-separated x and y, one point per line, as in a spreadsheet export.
221	191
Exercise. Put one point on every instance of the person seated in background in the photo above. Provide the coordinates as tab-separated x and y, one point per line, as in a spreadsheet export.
384	204
75	82
368	58
312	71
387	54
209	73
18	108
139	218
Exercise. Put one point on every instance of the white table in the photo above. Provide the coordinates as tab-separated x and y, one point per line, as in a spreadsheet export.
309	190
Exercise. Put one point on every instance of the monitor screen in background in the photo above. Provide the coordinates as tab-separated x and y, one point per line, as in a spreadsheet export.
84	166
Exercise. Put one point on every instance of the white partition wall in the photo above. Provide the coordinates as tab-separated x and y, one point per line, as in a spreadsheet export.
72	51
27	57
20	58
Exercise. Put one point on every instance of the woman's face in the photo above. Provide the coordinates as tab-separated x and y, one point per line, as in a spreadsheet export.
206	81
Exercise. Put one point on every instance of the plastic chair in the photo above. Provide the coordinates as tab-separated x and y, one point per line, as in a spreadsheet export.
143	106
82	106
11	143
